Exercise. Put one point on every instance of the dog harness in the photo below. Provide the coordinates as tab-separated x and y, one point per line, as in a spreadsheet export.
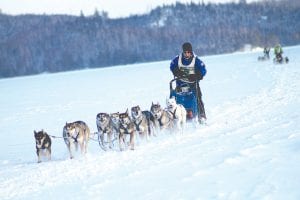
173	113
43	143
75	138
160	120
126	130
105	130
137	125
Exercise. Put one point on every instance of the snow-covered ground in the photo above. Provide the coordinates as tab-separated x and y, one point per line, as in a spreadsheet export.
250	148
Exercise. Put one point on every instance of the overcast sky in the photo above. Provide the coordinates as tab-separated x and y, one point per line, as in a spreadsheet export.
115	8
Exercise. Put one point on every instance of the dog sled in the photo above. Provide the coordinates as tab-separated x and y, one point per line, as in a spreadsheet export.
263	58
186	95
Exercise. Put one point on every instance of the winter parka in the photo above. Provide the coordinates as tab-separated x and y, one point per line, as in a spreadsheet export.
192	69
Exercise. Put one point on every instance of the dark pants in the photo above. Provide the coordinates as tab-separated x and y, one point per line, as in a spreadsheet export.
201	109
196	88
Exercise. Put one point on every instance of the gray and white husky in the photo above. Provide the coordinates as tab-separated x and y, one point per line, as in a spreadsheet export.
178	112
127	127
74	134
143	121
42	144
105	130
115	122
162	116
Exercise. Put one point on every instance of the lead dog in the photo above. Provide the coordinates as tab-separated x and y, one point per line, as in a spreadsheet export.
74	134
162	117
42	144
105	130
127	127
178	112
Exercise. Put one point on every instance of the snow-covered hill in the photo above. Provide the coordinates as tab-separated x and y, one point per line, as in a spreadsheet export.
249	150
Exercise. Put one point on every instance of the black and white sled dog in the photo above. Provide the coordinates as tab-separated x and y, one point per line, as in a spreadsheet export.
127	127
162	117
42	144
105	130
74	134
143	121
178	113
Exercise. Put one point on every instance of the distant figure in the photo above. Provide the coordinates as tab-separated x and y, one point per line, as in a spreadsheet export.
267	52
278	52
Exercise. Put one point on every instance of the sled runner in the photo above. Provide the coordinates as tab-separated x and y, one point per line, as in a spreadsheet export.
263	58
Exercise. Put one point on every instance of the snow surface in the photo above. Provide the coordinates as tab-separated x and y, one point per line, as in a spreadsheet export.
250	148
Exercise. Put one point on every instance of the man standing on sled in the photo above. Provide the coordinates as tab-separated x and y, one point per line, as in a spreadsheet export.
188	67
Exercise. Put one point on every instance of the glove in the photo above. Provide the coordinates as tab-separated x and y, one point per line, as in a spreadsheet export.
178	73
192	77
195	77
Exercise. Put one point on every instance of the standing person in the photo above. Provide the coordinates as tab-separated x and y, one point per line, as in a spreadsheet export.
188	67
278	52
267	52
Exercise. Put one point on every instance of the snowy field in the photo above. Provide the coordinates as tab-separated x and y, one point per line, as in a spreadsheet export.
250	148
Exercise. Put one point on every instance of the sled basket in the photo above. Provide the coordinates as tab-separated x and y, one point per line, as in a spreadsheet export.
186	96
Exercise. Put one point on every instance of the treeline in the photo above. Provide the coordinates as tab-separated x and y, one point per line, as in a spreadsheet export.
32	44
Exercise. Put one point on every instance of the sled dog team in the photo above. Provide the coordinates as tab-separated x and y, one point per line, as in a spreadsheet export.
142	124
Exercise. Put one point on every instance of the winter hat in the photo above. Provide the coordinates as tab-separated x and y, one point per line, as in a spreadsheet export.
187	47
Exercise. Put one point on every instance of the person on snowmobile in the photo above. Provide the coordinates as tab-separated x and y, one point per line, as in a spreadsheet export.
188	67
278	52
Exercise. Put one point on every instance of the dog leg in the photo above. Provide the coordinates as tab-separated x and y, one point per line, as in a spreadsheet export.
82	147
49	153
38	152
86	146
121	140
70	150
86	141
109	135
76	146
102	140
132	135
147	132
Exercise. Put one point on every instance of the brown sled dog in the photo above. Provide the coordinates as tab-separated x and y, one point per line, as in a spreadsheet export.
76	133
127	127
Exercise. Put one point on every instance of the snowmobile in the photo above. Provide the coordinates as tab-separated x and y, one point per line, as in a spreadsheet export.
186	95
280	60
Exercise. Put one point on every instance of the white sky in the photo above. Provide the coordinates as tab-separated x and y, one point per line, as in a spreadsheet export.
115	8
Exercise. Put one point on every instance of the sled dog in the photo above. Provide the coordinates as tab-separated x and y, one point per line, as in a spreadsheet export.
43	144
178	113
105	130
143	121
127	127
115	121
75	133
163	117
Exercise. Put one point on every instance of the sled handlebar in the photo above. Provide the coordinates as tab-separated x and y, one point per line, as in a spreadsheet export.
178	79
185	81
